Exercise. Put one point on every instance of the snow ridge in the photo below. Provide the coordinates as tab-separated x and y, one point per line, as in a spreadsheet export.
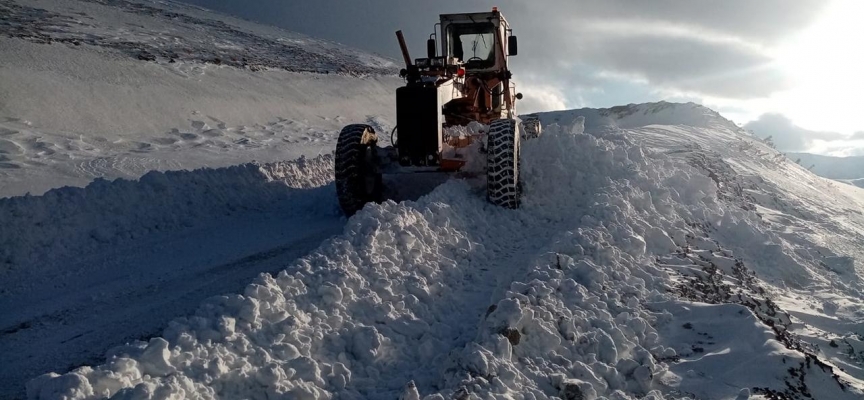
40	230
640	115
575	295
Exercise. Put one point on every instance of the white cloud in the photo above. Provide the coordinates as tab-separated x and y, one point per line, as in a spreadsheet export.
788	136
540	98
838	148
713	49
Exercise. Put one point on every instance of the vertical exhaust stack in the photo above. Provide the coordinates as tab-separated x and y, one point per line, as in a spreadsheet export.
404	48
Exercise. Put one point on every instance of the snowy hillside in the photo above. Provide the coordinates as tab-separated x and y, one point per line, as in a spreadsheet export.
167	31
658	254
114	89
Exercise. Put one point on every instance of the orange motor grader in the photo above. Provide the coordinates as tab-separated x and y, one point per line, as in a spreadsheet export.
464	81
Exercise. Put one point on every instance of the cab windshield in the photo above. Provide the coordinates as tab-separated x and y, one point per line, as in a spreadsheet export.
474	44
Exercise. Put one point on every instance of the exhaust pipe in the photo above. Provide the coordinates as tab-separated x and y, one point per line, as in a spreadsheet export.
404	48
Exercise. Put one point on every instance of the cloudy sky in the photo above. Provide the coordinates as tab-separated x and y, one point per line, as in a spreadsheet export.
791	69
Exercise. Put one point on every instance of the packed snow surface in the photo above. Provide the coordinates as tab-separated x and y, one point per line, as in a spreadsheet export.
662	260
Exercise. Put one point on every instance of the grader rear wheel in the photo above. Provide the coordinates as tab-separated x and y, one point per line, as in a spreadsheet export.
358	174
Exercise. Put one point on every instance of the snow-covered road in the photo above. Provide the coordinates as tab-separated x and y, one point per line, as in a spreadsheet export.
73	317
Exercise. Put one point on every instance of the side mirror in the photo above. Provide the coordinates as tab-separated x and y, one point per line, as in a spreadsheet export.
518	96
430	48
512	46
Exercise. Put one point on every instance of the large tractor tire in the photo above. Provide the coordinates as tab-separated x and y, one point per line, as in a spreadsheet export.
358	173
502	164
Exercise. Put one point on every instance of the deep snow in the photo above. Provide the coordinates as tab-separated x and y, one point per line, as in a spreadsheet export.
86	268
665	261
661	251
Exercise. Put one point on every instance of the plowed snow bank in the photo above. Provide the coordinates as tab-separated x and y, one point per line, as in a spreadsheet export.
40	230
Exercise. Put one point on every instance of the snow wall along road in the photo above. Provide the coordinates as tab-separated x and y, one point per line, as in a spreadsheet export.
450	297
38	230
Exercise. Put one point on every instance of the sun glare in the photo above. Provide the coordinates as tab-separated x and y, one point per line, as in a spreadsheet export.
826	62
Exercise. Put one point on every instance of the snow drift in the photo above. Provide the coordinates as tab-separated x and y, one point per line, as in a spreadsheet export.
645	263
639	115
39	231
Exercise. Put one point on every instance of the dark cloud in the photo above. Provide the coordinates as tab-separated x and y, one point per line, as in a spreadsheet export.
706	48
713	48
689	64
766	21
786	135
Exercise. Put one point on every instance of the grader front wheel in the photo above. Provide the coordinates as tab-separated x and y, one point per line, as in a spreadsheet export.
502	164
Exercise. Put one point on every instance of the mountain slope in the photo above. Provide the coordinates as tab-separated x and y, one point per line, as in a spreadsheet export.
114	89
664	260
167	31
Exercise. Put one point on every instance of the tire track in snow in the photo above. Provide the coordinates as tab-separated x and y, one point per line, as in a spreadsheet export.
165	279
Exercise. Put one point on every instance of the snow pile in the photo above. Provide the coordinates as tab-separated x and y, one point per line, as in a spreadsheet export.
39	230
584	293
639	115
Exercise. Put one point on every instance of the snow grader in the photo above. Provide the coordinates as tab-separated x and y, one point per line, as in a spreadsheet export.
457	107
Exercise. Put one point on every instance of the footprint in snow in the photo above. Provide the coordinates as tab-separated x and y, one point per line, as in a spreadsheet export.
10	147
165	141
200	125
212	133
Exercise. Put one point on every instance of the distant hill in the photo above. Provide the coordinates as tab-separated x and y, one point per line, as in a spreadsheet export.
832	167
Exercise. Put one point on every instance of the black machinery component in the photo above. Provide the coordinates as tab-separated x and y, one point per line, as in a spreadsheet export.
419	118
